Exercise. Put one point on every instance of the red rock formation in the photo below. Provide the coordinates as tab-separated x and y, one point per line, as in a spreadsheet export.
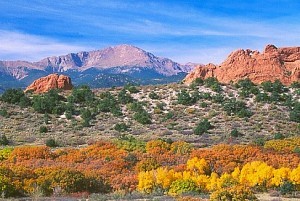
52	81
274	63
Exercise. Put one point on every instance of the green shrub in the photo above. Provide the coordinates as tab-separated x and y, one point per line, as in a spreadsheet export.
203	104
86	114
68	114
195	95
12	96
142	117
232	106
202	127
262	97
181	186
108	103
278	136
185	98
297	150
169	115
275	97
153	95
235	133
210	81
276	86
213	84
198	81
3	140
276	91
243	113
51	143
206	96
49	102
116	111
132	89
86	123
216	87
286	188
24	101
46	118
82	94
244	84
295	85
295	113
247	87
218	98
124	97
121	127
267	86
4	113
287	99
43	129
136	106
259	141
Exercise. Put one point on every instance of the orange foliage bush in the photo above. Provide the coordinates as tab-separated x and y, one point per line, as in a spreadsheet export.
224	158
105	167
30	152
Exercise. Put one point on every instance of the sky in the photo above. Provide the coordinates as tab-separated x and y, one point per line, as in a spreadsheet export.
198	31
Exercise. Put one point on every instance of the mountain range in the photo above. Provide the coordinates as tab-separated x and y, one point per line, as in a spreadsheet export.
113	66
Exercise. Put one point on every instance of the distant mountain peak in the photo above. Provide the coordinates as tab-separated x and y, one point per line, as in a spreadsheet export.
125	46
120	59
116	56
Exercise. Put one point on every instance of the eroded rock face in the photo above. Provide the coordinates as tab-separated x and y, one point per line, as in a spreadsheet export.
274	63
52	81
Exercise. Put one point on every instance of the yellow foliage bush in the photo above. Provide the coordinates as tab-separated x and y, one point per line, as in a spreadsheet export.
280	175
295	177
164	177
181	147
146	182
198	166
147	164
235	193
181	186
157	146
237	184
256	173
5	152
288	144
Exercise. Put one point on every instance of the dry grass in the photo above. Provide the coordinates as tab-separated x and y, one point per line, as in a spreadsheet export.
22	127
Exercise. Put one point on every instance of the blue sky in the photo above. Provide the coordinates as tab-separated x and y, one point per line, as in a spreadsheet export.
199	31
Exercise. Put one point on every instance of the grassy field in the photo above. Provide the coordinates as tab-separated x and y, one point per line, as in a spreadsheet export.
169	118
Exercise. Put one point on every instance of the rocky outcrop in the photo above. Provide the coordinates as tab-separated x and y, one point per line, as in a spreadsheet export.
274	63
52	81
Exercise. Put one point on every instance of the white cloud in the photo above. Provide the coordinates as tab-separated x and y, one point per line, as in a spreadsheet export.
20	46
